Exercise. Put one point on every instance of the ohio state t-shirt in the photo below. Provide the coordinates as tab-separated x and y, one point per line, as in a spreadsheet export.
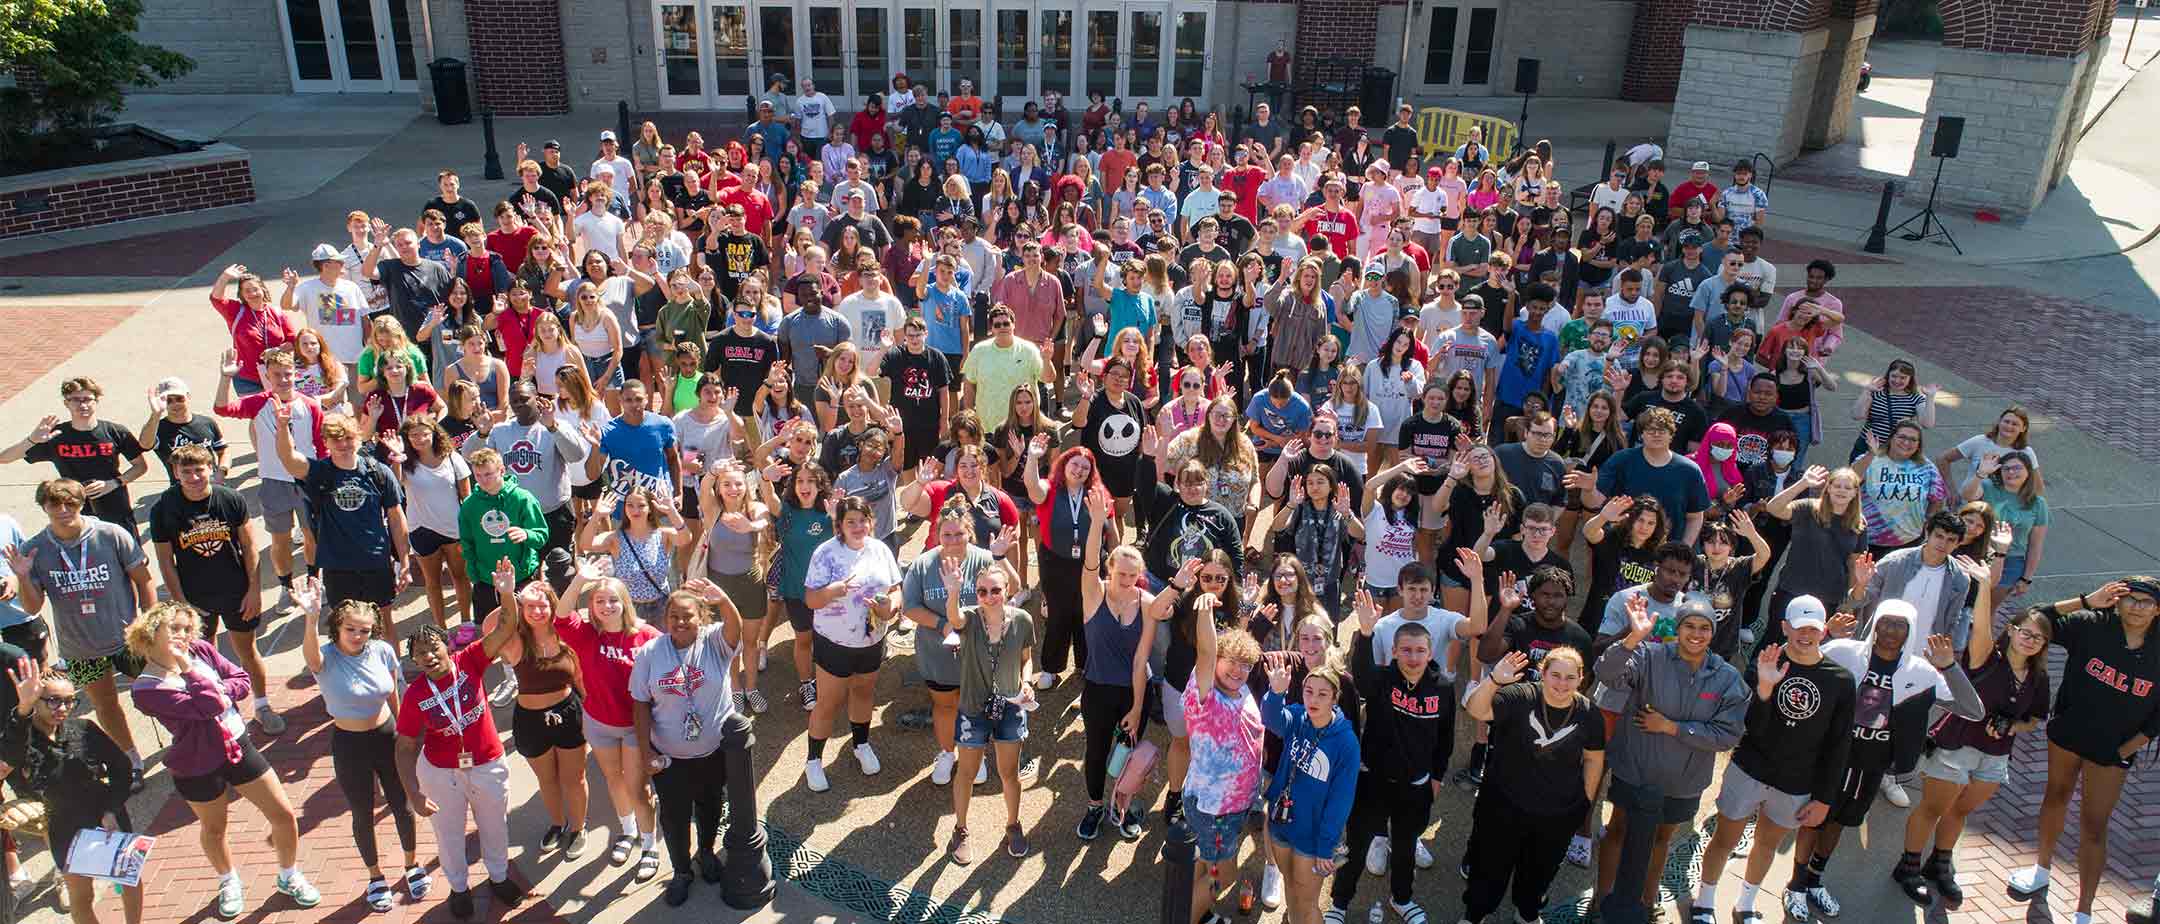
451	717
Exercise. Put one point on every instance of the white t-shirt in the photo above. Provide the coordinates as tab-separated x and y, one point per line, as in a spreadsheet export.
1604	196
1432	319
1977	446
431	499
813	115
339	312
1348	433
1431	201
622	169
1555	320
846	620
871	317
1442	624
601	231
1388	545
1924	592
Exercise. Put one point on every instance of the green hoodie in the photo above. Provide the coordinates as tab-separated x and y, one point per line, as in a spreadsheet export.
484	520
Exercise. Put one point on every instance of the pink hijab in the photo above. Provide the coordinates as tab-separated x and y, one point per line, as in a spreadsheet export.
1718	476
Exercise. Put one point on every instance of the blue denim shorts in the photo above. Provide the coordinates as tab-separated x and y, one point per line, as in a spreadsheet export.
1215	836
593	367
975	729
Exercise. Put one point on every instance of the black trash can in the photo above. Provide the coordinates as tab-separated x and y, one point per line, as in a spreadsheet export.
1376	96
453	102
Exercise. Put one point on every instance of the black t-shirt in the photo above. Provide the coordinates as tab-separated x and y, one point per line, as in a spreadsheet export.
535	203
1614	566
741	361
1726	589
733	258
2107	692
1539	479
1497	316
1657	200
1466	521
87	455
205	540
917	380
414	289
1113	435
1872	717
1755	432
1237	232
688	203
1345	474
1537	750
1535	641
456	214
1630	250
1432	441
1401	141
350	510
1192	252
1508	556
1694	421
200	430
559	179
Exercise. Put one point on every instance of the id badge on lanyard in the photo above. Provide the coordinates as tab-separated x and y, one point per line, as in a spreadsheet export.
88	604
455	716
1074	500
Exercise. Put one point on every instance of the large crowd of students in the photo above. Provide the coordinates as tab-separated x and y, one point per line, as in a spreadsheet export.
1294	456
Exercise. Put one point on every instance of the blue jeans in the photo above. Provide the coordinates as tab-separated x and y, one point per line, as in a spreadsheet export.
1803	427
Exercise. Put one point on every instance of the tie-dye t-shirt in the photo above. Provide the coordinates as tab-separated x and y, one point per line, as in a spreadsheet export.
1227	740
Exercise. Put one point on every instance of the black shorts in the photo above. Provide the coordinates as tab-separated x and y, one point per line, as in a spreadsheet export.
535	732
1450	224
426	542
229	617
1855	797
798	613
212	786
689	505
375	585
846	660
589	491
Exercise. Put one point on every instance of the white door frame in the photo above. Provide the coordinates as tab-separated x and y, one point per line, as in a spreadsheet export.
340	79
700	20
1421	48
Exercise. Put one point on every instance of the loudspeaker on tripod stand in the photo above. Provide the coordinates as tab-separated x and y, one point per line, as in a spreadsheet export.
1526	74
1949	131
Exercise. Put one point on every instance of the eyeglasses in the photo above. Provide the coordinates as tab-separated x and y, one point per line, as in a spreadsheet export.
1214	579
1189	385
80	399
989	591
1001	325
1323	434
2030	635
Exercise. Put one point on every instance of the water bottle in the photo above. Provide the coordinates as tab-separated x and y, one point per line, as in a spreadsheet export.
1378	914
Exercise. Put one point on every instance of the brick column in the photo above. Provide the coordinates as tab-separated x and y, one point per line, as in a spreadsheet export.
1654	50
517	56
2019	74
1850	25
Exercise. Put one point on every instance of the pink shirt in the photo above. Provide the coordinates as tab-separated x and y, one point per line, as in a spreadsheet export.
1228	745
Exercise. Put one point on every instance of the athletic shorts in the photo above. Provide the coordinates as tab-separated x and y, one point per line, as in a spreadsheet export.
1173	709
602	735
799	614
589	490
426	542
1855	797
1742	795
281	501
1965	765
538	731
230	620
846	660
746	590
212	786
86	671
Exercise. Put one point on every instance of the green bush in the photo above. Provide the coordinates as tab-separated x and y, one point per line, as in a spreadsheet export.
81	56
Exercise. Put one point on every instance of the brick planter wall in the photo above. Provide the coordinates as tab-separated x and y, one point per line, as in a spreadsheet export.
82	197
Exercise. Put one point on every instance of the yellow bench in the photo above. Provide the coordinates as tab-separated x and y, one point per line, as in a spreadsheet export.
1440	131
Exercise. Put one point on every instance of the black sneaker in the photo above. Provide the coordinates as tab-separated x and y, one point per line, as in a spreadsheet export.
2146	911
1470	777
507	891
1131	826
461	905
1091	822
1915	885
552	839
678	890
1944	876
1173	814
135	782
708	866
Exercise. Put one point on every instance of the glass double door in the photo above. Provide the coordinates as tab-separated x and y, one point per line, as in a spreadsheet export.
1454	52
352	46
715	52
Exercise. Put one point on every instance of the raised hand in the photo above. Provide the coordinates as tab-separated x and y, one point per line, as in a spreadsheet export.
1278	673
27	678
47	428
705	589
1972	568
18	561
1342	500
1098	503
1941	652
1368	612
1863	568
1512	667
1472	564
1842	625
307	594
1769	665
932	470
1639	620
593	568
2107	596
1510	597
1495	520
1616	508
1205	604
2000	540
1815	476
1006	539
951	571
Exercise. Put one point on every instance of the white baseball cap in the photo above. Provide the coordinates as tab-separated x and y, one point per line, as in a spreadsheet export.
1806	612
608	135
323	252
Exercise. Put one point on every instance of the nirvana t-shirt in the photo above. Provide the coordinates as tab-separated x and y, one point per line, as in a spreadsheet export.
1537	750
349	507
87	455
916	380
2107	695
204	535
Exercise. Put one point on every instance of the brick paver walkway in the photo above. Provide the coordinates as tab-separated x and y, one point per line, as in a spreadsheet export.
171	253
42	337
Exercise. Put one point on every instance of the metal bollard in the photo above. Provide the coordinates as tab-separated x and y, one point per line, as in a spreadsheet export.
1880	230
492	167
622	123
1178	873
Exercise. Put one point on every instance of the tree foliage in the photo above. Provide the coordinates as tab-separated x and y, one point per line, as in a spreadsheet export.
81	56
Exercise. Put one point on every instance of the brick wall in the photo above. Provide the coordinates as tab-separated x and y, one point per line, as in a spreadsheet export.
518	59
104	200
1655	52
1765	15
1334	28
2051	28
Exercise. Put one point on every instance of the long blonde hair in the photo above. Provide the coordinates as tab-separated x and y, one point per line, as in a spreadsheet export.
1852	519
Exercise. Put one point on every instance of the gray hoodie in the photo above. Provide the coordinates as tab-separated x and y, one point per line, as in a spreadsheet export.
539	458
1709	704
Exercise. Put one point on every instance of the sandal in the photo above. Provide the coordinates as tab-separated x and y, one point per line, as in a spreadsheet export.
619	854
648	864
416	883
378	895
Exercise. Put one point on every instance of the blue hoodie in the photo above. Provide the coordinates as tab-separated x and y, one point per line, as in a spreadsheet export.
1320	768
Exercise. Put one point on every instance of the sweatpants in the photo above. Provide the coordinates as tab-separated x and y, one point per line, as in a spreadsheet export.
1102	707
1062	635
483	793
1512	843
1391	808
360	761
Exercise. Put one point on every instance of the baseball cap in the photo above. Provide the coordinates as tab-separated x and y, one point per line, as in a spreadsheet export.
551	143
167	387
1702	165
1373	271
1806	612
764	104
608	135
323	252
1690	237
1899	608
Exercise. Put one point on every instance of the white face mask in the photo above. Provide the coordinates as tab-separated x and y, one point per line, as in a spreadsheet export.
1721	453
1781	456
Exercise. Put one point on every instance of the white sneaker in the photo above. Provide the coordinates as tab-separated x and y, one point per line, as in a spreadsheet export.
867	758
1376	857
814	773
506	691
1895	794
2028	880
1796	905
941	769
1578	851
1424	856
1271	887
1824	901
982	771
1747	637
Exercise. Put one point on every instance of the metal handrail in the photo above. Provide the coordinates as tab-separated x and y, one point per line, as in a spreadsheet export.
1760	161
